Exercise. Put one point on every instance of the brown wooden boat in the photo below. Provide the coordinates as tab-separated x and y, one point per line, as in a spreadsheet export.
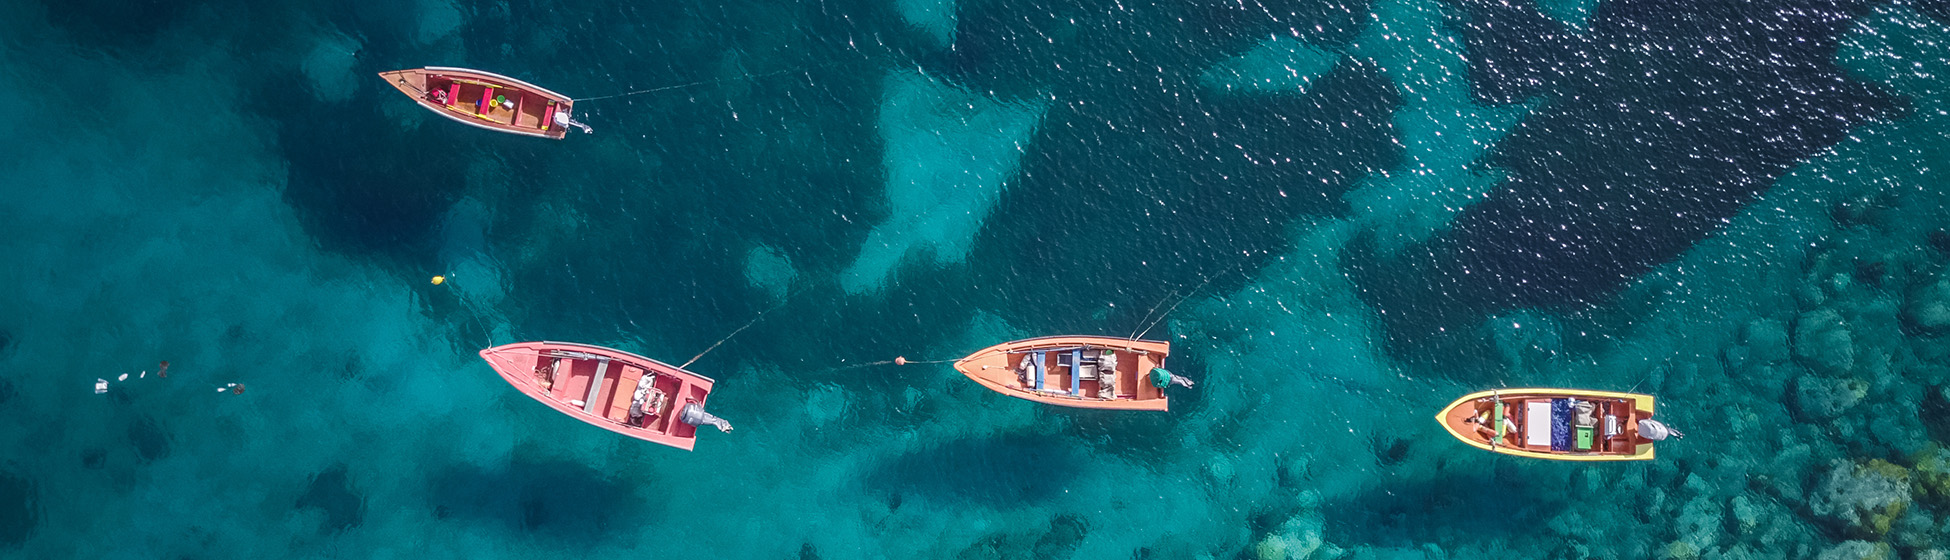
487	100
1557	424
1068	371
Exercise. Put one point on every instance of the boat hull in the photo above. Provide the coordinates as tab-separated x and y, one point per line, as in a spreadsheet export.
565	376
1529	415
469	95
1063	384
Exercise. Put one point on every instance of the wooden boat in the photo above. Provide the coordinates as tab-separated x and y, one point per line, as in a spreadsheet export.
1559	424
485	99
599	385
1066	371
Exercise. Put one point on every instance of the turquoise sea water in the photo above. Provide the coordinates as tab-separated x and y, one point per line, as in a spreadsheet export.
1367	209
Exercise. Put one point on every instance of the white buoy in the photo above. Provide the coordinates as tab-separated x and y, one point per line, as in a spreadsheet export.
124	377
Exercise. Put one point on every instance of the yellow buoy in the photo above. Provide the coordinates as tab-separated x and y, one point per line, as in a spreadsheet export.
437	280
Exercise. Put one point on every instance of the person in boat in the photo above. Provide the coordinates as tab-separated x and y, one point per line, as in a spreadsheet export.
437	96
1162	379
1484	428
1107	375
647	401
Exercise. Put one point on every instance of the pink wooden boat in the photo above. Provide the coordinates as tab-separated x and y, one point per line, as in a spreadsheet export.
487	100
1070	371
616	390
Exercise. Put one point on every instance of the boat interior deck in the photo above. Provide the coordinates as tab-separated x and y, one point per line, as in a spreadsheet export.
475	100
605	388
1551	425
1075	372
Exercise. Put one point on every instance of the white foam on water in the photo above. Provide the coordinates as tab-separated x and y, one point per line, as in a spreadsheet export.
1276	65
948	154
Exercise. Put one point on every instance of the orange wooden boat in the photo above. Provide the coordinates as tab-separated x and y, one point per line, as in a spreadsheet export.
1557	424
1069	371
487	100
619	391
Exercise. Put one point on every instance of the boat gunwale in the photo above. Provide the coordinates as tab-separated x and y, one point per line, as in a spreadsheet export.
513	81
1639	402
628	354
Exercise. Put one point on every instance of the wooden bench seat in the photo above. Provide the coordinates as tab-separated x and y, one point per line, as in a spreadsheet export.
619	405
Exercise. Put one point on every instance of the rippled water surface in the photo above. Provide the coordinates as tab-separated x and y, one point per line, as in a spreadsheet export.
1348	214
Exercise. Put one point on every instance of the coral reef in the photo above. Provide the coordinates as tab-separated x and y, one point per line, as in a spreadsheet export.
1857	550
1822	341
1865	499
1819	398
1928	306
1931	474
1301	537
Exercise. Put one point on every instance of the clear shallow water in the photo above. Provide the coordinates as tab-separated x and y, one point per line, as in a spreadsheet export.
1731	206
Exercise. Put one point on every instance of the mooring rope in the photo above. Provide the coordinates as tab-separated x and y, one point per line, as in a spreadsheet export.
705	82
754	321
1181	301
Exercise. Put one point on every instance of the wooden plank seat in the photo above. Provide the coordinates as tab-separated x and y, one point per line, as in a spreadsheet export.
1077	371
619	405
595	386
1041	371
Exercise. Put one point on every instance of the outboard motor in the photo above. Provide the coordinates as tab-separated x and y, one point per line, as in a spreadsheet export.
696	416
1656	431
562	119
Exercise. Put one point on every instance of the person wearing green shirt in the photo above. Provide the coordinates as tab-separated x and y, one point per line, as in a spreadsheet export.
1162	379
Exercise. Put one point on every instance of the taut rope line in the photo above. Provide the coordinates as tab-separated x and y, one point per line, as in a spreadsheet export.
703	83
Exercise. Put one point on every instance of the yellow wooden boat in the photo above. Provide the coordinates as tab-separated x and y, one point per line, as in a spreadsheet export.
1557	424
